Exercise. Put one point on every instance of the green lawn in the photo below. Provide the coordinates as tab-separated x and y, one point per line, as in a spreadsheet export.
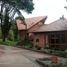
8	42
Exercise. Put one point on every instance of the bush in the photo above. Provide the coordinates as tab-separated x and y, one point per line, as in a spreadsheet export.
8	42
37	47
56	52
25	43
59	53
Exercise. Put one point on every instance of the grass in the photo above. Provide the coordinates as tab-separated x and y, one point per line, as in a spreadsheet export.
8	42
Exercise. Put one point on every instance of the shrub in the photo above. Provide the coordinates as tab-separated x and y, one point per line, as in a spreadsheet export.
37	47
10	36
59	53
25	43
8	42
56	52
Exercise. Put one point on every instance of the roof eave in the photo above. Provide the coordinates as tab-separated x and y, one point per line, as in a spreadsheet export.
39	21
49	31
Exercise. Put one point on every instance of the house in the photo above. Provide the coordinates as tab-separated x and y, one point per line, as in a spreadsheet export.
53	35
31	25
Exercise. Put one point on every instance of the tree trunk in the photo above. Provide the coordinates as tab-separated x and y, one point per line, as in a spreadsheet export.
4	39
2	22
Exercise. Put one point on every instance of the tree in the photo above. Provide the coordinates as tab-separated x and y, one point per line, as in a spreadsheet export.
17	5
11	7
25	41
5	26
22	19
15	31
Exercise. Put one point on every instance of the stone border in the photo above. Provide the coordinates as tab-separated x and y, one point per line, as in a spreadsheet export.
41	63
45	65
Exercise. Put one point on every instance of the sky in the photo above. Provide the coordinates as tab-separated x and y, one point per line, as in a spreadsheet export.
53	9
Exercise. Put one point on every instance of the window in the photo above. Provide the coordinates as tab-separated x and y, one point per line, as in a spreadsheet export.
52	40
57	38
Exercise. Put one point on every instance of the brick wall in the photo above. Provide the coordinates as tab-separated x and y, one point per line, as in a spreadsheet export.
42	39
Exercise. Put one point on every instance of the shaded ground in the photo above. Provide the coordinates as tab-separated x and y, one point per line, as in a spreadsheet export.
16	57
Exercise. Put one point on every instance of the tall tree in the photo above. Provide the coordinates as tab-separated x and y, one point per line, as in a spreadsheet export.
15	30
17	5
5	25
8	10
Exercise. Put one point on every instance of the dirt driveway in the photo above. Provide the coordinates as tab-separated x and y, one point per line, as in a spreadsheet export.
16	57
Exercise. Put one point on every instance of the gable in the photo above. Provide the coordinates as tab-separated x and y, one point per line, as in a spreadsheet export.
30	22
58	25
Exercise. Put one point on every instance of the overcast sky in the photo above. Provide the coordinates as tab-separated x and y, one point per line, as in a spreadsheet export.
54	9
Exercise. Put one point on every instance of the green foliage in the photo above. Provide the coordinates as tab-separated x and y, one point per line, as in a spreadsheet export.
15	31
10	7
60	53
20	17
8	42
17	5
0	33
26	43
10	36
5	25
56	52
37	47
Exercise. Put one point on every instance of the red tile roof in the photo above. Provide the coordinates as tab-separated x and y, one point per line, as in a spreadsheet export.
30	22
59	25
